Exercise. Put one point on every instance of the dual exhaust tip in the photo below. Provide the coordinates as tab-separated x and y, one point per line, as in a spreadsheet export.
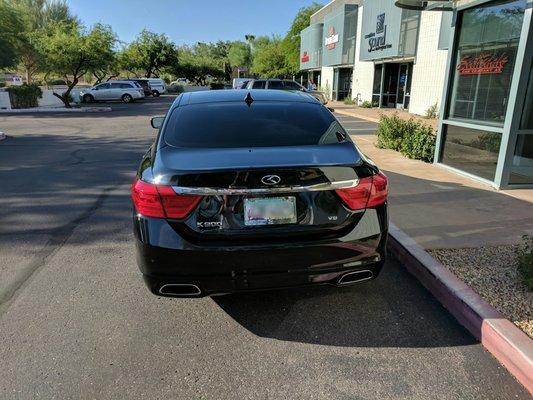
190	290
355	277
180	290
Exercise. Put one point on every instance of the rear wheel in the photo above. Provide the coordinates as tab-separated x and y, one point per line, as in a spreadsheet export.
87	98
155	93
127	98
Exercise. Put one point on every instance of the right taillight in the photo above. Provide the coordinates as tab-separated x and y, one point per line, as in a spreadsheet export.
160	201
370	192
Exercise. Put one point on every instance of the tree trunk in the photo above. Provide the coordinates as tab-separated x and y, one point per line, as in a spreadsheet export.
65	97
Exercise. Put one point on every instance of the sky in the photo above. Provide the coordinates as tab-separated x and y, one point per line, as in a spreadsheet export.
191	21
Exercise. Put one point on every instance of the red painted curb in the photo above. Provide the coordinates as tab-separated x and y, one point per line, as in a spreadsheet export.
506	342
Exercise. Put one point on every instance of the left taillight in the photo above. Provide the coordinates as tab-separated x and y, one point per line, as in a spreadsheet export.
160	201
370	192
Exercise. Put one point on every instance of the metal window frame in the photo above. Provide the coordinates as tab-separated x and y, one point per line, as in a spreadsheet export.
510	129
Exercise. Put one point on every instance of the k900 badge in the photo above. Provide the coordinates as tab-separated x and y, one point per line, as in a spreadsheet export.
209	224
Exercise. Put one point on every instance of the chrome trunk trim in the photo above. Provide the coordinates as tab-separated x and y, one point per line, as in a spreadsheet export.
209	191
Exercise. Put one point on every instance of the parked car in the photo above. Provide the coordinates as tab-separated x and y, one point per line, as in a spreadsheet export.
144	84
180	81
285	84
158	86
242	193
113	90
239	83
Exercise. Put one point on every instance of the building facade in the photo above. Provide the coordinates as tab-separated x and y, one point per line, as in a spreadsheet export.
472	63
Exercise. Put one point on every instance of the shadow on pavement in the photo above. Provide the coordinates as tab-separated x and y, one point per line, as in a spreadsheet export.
391	311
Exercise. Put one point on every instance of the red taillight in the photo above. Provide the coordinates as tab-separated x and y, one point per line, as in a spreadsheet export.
158	201
370	192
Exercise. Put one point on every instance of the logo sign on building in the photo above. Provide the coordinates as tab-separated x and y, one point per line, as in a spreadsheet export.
305	57
482	64
332	39
378	40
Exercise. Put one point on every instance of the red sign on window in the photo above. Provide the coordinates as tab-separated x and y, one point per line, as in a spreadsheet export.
305	57
484	63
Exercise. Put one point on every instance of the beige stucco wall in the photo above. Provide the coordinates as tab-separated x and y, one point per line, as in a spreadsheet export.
430	65
326	83
363	72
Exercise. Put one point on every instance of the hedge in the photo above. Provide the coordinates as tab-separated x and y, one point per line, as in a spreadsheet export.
411	138
24	96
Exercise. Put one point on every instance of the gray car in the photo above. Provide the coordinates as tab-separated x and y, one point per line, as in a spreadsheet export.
284	84
126	91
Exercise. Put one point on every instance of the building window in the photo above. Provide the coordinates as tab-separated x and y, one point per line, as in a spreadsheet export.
484	59
472	150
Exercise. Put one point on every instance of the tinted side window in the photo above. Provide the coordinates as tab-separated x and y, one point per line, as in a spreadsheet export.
259	85
125	86
263	124
275	85
290	85
103	86
116	85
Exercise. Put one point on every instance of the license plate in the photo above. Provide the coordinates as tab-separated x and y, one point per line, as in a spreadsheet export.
270	211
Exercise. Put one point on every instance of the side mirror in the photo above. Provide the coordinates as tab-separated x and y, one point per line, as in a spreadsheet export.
157	122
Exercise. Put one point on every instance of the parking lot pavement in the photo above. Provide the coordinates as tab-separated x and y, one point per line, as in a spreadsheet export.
77	322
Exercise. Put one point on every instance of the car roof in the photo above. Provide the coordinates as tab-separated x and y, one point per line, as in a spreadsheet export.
236	95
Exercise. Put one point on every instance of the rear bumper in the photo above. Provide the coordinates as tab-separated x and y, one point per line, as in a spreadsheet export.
164	258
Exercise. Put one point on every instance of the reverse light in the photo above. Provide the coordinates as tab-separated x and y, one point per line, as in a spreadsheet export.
370	192
160	201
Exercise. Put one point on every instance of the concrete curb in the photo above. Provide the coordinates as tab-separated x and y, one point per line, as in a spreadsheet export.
56	110
506	342
355	115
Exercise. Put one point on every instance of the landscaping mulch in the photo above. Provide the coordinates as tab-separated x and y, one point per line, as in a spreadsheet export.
492	272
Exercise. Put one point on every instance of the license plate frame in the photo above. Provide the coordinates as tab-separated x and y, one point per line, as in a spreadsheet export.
261	211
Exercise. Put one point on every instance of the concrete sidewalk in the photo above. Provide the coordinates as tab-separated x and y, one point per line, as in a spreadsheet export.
442	209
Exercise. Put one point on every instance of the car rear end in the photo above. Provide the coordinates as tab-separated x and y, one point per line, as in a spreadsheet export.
261	196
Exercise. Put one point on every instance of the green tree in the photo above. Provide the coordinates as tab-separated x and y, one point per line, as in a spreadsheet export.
10	26
291	42
269	58
197	64
149	54
72	52
240	55
38	16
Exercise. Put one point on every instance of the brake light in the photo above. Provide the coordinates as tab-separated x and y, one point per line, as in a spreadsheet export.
370	192
159	201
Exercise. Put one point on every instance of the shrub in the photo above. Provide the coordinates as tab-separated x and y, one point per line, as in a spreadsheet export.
432	111
2	84
24	96
349	101
366	104
525	261
175	89
412	138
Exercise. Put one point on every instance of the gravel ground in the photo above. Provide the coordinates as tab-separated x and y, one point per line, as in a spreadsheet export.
493	273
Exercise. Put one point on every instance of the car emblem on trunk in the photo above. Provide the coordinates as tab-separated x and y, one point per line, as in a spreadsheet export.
271	179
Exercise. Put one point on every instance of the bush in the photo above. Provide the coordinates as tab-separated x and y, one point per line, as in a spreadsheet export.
525	261
431	112
24	96
2	84
349	101
366	104
175	89
412	138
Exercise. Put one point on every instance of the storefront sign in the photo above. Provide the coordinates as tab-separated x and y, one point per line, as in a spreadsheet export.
332	39
484	63
305	57
378	40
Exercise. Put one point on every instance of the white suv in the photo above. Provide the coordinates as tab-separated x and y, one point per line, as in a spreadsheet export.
158	86
113	90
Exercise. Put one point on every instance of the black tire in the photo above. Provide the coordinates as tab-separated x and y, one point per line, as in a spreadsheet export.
155	93
126	98
88	98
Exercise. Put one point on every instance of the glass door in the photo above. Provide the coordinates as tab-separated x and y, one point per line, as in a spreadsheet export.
402	84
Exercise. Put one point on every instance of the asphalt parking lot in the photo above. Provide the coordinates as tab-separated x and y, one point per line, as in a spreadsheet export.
77	322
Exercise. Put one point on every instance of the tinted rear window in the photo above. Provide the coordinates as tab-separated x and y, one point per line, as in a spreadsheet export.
264	124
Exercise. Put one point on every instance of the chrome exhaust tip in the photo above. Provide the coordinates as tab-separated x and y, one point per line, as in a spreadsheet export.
355	277
180	289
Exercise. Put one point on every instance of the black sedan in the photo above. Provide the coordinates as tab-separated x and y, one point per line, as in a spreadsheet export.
252	190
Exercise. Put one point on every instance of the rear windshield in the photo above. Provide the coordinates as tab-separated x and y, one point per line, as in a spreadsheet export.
263	124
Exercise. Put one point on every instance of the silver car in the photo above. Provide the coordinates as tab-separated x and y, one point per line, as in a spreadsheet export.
113	90
284	84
